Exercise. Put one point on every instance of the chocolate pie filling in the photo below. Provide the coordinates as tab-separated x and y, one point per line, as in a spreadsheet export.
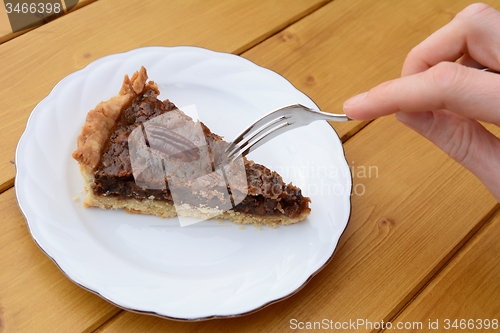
267	193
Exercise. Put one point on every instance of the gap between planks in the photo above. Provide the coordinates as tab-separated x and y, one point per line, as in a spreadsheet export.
101	325
12	35
413	295
7	185
280	28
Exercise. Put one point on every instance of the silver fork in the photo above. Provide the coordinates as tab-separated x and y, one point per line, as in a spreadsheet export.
278	122
273	124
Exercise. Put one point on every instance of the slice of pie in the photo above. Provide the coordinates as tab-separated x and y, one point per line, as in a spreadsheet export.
144	155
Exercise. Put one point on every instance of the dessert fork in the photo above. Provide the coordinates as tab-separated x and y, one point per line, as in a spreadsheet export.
273	124
278	122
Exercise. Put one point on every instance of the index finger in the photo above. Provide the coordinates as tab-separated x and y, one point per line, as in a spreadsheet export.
467	91
474	31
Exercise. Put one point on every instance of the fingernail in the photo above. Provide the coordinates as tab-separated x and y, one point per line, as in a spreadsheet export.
355	100
419	121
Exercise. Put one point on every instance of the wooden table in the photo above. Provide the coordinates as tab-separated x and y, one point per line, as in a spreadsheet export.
422	244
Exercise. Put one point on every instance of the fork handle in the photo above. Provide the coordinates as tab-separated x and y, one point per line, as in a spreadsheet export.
335	117
490	70
321	115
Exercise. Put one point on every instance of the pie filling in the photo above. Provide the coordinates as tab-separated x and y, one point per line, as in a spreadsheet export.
267	193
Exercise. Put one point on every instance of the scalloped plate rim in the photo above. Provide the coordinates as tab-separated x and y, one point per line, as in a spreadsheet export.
38	107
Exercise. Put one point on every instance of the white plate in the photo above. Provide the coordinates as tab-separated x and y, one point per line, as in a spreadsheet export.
152	265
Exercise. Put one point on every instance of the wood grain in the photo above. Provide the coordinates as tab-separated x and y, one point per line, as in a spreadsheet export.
6	33
409	218
35	296
33	63
468	288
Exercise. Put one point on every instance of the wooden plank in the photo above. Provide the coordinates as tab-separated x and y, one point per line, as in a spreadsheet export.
6	33
35	296
348	47
32	64
409	217
467	290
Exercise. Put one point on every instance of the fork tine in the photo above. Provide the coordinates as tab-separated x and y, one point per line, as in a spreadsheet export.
273	124
254	134
263	139
257	125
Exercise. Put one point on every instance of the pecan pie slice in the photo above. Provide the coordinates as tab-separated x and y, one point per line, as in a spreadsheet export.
144	155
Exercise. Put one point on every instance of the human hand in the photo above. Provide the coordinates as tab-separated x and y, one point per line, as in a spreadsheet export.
443	100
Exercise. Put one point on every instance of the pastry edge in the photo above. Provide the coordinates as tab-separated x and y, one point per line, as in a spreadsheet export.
166	210
101	120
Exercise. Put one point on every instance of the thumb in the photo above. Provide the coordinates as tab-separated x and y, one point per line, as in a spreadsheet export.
463	139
